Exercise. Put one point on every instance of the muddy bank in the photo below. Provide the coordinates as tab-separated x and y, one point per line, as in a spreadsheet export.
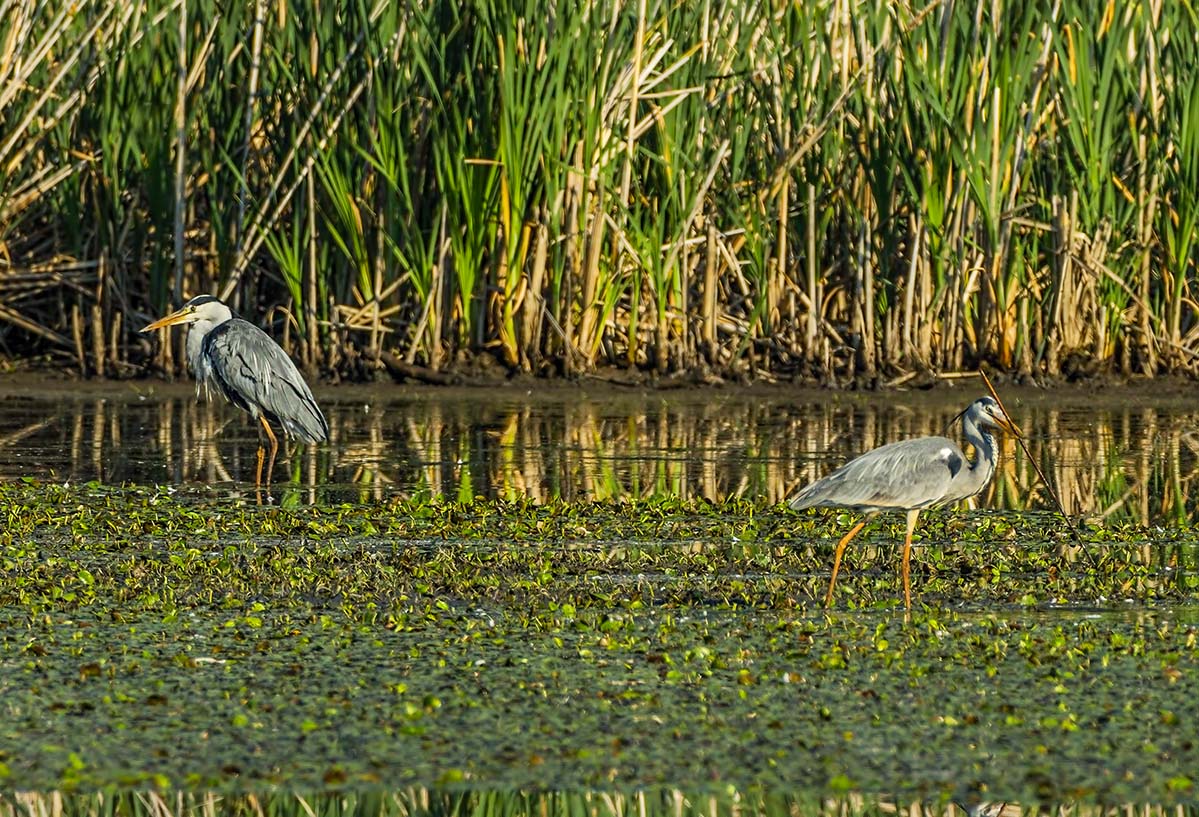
616	385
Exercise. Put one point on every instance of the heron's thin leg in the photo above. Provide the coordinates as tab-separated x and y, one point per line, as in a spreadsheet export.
258	468
913	515
854	531
270	468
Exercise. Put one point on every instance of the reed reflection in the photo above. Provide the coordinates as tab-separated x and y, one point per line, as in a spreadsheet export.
1136	463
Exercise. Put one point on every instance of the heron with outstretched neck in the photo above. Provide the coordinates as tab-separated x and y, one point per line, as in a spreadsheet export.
910	476
251	370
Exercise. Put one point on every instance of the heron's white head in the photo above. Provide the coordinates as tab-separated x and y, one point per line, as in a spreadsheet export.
202	308
985	411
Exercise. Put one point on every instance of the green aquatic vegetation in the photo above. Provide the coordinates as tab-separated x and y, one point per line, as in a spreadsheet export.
149	548
580	645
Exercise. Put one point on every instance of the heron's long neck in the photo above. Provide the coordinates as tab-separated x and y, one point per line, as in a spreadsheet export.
201	369
215	313
195	344
983	467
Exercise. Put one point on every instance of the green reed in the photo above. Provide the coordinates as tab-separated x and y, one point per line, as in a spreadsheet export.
838	190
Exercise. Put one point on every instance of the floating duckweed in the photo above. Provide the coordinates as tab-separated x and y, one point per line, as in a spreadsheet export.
521	646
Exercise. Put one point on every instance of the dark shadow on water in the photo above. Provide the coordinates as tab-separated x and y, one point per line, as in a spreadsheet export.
1109	458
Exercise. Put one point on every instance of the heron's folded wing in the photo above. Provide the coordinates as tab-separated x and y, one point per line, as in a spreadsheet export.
907	474
252	369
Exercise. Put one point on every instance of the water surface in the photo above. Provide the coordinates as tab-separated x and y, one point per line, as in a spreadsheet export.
588	644
1121	453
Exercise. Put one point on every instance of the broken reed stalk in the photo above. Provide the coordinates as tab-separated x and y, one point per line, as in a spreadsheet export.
1036	467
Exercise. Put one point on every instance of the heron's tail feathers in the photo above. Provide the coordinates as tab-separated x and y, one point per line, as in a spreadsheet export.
801	500
309	425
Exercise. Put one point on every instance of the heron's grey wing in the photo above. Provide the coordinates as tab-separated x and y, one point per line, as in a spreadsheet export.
907	474
259	376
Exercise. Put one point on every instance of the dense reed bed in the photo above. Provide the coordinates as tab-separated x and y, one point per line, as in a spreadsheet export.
827	190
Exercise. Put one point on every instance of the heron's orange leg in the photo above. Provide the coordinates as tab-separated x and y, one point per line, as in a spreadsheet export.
913	515
270	435
258	468
854	531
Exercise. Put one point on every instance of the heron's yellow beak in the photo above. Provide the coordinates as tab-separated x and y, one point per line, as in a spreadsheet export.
1007	425
170	320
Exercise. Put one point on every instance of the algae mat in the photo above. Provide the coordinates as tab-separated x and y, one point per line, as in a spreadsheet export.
152	638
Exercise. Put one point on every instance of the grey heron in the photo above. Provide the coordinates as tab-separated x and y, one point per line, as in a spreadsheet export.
910	475
250	369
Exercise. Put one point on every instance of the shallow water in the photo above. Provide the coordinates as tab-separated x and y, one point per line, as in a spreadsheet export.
589	644
1122	454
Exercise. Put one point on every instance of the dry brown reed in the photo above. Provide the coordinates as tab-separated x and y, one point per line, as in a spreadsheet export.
832	190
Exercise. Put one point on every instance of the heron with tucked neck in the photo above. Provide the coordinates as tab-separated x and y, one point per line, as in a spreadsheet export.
251	370
910	476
